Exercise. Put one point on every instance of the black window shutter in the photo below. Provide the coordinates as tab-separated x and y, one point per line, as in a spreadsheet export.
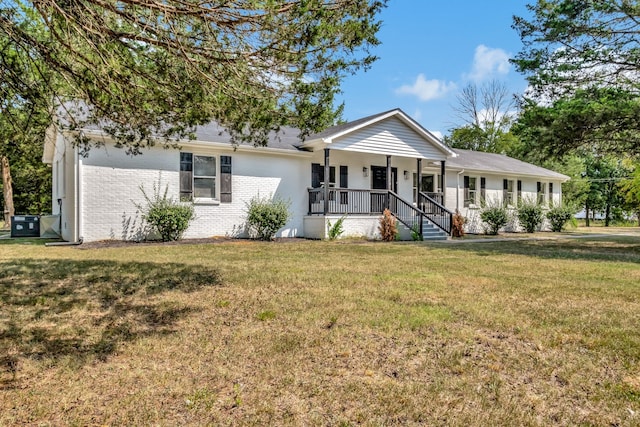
466	192
539	186
505	187
186	176
483	187
317	175
332	175
225	179
344	179
551	188
519	186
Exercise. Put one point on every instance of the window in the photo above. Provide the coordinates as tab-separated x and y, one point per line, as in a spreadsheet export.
542	192
427	186
470	191
317	175
507	192
197	177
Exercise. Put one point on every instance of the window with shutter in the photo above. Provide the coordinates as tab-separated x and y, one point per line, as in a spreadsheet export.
507	192
470	191
225	179
197	176
344	183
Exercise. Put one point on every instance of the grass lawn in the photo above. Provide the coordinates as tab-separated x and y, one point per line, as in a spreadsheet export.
322	333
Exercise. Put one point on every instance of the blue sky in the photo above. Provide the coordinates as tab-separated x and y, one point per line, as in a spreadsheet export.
430	50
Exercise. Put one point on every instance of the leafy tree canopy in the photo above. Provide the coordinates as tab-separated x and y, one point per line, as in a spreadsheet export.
575	44
604	120
142	69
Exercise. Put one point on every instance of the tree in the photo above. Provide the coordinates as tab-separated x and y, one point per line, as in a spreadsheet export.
631	189
582	59
24	116
147	72
604	174
486	114
575	44
603	120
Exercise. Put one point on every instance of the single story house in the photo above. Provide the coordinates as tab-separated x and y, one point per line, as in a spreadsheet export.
353	170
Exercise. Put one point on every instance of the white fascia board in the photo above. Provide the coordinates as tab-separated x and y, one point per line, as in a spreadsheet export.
226	146
564	178
220	146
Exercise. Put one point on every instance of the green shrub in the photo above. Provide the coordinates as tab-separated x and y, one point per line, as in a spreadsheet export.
416	234
530	215
334	231
166	216
387	227
265	216
559	216
495	217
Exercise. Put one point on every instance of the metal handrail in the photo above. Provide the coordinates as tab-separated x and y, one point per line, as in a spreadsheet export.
436	213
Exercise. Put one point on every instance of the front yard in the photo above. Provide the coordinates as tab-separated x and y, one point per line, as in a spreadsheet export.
322	333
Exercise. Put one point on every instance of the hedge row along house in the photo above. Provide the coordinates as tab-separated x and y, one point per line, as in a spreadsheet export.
355	170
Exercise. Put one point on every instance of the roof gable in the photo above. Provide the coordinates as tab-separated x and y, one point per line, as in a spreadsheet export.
391	132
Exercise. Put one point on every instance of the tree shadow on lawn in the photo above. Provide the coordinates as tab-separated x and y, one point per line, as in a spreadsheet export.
55	309
613	249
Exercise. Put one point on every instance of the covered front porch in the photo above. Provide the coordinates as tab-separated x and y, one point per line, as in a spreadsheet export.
376	163
422	212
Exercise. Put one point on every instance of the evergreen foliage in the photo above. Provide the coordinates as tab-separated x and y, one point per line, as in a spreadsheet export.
559	216
167	217
494	216
265	216
530	215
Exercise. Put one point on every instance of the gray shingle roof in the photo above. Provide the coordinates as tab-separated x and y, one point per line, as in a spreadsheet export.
498	163
286	139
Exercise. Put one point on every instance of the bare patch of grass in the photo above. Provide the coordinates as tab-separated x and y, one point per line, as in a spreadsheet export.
318	333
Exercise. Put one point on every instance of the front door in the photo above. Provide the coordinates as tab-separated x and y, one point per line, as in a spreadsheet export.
379	178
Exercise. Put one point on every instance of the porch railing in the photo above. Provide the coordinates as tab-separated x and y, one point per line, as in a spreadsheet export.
405	212
372	202
436	212
347	201
438	197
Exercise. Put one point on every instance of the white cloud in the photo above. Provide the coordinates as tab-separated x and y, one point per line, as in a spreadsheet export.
426	90
417	115
487	62
437	134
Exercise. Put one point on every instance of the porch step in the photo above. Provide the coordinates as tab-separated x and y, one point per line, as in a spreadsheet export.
431	232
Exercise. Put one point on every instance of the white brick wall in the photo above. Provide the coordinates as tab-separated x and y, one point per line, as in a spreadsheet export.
110	188
111	183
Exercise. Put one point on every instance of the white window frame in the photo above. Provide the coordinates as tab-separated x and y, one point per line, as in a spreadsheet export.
473	193
541	196
216	187
510	200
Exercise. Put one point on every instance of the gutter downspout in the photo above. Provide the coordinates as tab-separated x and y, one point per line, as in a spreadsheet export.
79	237
458	189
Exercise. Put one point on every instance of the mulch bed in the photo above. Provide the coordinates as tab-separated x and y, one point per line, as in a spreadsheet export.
204	241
